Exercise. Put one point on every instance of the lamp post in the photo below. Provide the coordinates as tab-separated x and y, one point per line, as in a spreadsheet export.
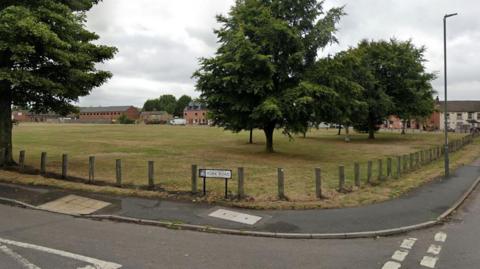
447	161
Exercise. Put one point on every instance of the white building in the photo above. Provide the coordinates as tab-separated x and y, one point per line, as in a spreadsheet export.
462	115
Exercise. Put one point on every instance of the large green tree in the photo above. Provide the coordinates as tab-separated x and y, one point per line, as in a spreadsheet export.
407	81
395	81
182	103
341	73
47	58
167	103
256	78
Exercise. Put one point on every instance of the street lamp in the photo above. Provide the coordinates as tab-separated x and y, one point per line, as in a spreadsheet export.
447	161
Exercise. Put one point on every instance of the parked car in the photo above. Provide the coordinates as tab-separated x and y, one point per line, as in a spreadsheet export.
178	121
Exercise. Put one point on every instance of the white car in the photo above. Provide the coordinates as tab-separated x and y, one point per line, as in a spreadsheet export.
178	122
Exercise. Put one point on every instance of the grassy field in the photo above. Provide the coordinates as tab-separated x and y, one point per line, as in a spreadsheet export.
175	148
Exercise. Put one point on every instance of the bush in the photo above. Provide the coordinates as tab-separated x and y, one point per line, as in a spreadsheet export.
123	119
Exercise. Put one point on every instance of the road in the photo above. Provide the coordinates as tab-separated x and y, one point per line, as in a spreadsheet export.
35	239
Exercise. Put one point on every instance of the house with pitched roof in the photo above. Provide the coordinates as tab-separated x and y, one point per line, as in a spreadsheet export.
461	115
107	113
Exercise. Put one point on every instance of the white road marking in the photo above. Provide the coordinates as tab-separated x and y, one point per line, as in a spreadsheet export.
434	249
400	255
87	267
408	243
235	216
440	237
19	259
99	264
429	262
391	265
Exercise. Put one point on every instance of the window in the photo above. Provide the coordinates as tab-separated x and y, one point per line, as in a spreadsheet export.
478	115
448	115
196	114
459	116
470	115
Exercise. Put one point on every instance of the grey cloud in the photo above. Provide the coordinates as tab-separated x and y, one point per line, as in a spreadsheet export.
161	59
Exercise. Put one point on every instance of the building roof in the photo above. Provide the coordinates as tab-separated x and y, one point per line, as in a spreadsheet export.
195	106
104	109
152	113
460	106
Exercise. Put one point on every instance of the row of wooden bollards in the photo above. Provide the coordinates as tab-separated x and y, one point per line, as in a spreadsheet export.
403	163
91	168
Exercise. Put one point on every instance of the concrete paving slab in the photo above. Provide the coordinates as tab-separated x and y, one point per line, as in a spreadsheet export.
74	204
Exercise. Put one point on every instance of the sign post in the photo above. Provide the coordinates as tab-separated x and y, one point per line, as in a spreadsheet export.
215	173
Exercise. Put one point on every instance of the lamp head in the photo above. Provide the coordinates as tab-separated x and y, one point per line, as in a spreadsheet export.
450	15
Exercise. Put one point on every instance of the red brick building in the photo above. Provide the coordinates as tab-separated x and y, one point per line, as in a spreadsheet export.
27	116
195	114
108	113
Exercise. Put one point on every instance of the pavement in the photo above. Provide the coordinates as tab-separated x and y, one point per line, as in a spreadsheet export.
423	205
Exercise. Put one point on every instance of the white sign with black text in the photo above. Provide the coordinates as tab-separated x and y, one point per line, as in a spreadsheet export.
216	173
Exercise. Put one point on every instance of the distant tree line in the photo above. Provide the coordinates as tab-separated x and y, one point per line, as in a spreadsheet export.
168	103
266	74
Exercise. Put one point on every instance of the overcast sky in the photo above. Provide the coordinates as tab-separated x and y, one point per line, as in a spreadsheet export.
160	42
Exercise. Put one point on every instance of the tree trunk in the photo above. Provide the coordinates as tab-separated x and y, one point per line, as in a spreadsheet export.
250	141
404	126
371	129
339	129
269	137
347	133
371	133
6	121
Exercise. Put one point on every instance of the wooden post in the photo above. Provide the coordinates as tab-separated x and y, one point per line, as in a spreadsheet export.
341	178
64	166
194	179
118	172
21	160
389	167
43	163
369	171
2	157
91	169
422	156
281	183
241	188
151	179
411	161
380	169
399	167
356	172
318	183
417	158
405	163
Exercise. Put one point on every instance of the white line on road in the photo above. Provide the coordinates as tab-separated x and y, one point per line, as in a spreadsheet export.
19	259
429	262
391	265
99	264
400	255
440	237
434	249
408	243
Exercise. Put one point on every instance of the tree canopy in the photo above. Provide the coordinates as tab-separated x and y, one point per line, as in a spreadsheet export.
168	103
397	82
47	58
256	78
